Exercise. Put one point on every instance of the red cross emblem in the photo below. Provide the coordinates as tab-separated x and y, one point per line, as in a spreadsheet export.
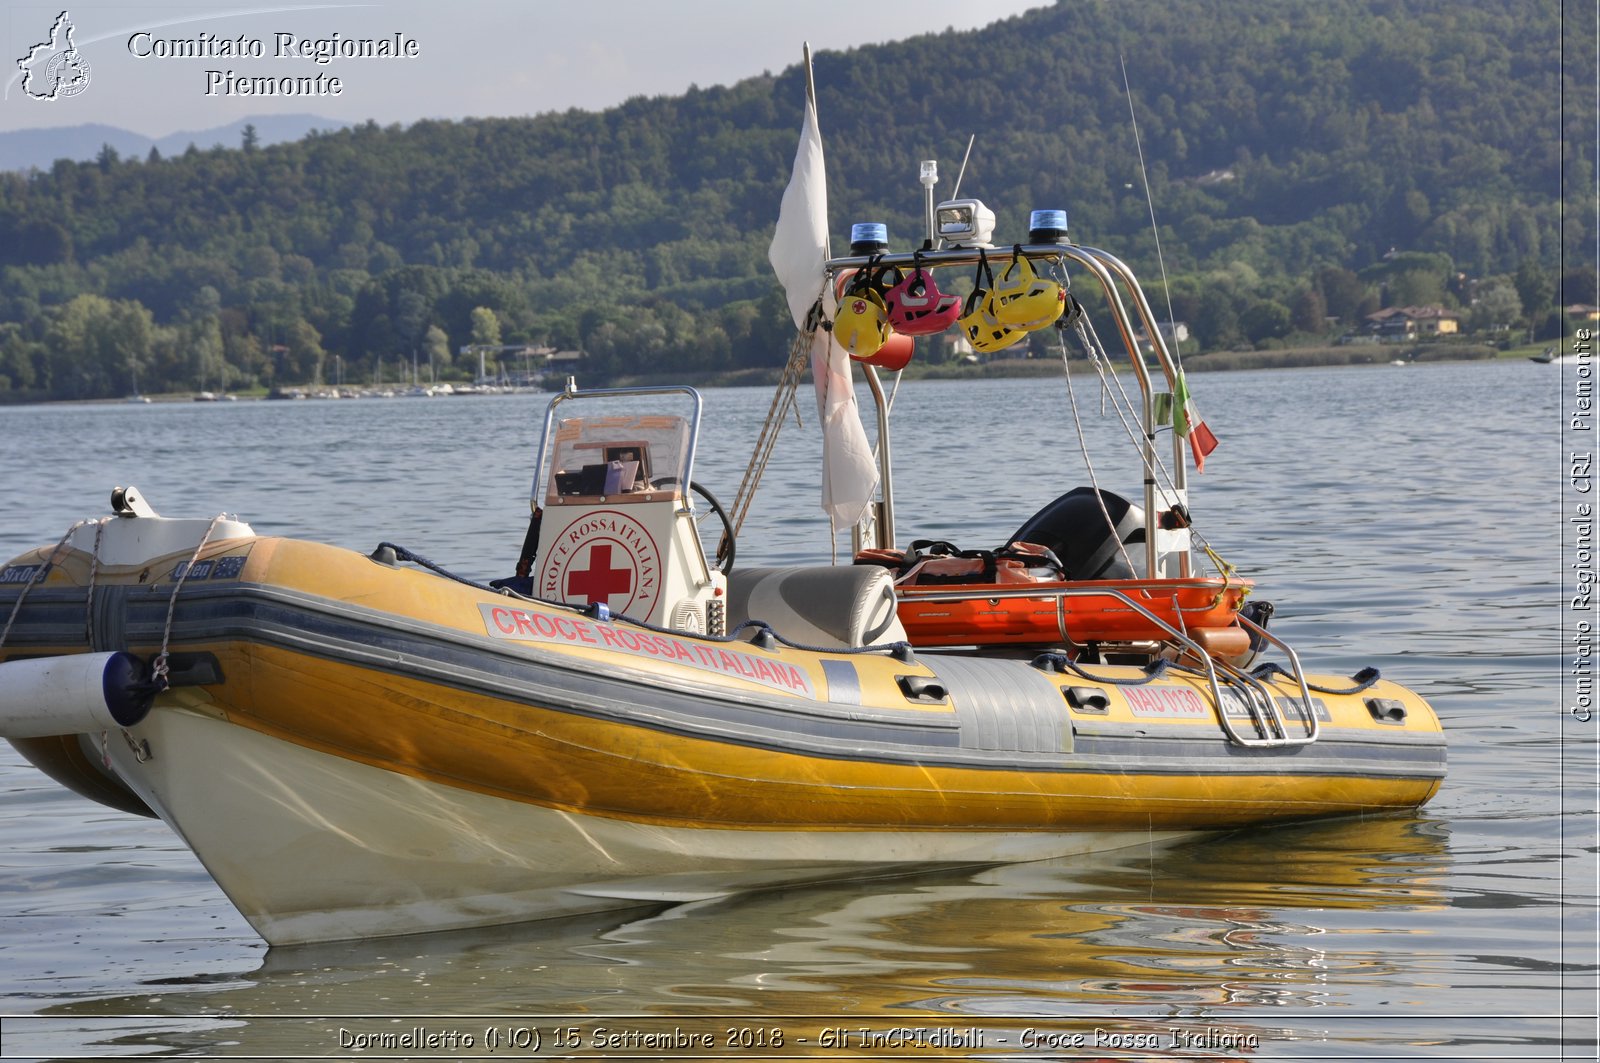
602	556
599	581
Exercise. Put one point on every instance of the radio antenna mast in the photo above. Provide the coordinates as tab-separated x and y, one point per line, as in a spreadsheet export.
956	194
1149	201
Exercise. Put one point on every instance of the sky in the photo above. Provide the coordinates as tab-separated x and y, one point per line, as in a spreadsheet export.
471	58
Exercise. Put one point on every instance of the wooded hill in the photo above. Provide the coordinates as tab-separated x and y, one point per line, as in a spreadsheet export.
1289	145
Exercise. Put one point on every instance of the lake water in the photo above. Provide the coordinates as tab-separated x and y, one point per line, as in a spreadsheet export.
1404	517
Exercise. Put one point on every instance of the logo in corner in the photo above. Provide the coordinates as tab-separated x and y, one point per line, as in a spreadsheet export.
55	69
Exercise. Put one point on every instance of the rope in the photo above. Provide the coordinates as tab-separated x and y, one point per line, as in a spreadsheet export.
1055	662
1122	402
783	400
38	577
1088	463
403	554
1095	351
1124	408
766	628
94	572
1363	679
158	671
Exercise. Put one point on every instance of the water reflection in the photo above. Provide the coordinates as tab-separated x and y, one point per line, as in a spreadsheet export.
1196	935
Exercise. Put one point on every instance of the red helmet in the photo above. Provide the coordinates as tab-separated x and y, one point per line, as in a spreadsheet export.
917	307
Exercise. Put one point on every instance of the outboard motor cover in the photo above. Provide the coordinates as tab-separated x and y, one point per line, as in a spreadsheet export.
1074	527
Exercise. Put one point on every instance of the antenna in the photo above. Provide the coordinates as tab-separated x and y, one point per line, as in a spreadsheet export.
1149	200
956	192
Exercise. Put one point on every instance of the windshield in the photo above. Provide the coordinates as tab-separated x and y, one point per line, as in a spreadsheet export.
617	455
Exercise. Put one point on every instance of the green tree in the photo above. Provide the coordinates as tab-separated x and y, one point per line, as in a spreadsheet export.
1415	288
201	335
1536	287
303	361
1578	285
436	345
1215	319
110	343
17	368
1265	320
410	319
1309	311
1342	292
485	327
1276	134
1496	305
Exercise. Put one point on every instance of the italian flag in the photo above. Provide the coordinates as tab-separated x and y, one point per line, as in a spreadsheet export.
1187	423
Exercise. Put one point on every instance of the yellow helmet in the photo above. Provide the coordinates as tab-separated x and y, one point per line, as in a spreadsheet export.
983	329
862	324
1024	300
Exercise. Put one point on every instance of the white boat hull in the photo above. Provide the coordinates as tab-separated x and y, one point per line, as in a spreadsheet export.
394	854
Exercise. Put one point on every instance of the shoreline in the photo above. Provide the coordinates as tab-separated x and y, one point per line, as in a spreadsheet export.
1005	368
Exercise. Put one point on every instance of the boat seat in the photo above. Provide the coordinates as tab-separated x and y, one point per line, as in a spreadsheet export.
831	605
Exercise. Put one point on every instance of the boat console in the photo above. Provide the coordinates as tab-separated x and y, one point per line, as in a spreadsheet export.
614	498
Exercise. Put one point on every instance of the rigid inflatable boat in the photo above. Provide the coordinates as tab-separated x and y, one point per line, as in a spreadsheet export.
367	744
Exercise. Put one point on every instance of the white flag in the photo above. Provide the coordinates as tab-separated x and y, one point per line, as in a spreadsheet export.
799	250
799	256
849	473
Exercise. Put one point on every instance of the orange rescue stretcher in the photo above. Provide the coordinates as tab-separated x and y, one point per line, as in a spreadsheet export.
979	598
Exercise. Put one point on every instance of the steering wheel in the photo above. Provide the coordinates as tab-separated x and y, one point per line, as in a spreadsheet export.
725	544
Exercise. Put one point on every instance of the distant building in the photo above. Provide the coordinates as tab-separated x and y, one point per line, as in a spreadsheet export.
1402	324
1583	312
1173	332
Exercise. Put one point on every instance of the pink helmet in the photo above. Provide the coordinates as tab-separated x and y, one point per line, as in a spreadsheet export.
917	307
